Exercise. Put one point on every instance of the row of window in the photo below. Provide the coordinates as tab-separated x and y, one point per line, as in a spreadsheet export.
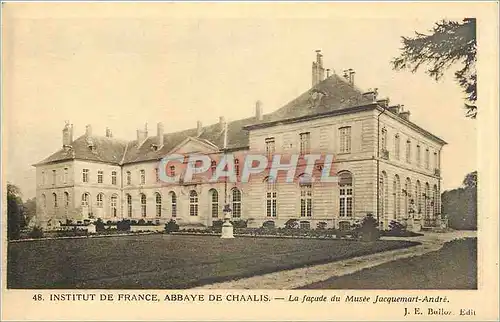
65	177
408	151
416	198
236	200
305	142
306	197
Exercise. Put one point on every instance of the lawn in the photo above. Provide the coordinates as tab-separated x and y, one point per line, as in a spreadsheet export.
452	267
168	261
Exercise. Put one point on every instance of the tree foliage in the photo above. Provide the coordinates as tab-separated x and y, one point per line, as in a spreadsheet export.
460	205
449	43
15	212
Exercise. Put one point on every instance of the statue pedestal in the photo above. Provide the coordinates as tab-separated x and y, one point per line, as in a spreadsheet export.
227	230
227	227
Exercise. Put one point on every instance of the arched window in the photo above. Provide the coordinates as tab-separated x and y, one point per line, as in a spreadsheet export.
100	198
214	203
236	203
193	203
173	203
427	200
418	197
306	200
54	197
397	197
158	204
143	205
114	203
383	195
397	146
271	198
345	194
44	201
129	205
129	178
66	199
435	200
85	200
407	194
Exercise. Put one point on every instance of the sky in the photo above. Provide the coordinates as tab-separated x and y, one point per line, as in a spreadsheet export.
122	65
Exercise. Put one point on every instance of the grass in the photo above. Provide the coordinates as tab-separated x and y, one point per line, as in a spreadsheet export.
452	267
168	261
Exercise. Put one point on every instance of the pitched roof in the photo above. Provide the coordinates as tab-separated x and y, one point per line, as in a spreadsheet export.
332	94
109	150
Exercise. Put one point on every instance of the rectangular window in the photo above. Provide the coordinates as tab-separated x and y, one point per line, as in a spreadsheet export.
54	176
345	139
43	178
270	147
436	160
397	144
65	176
143	176
305	142
100	175
427	158
157	174
408	151
129	178
306	200
85	174
172	171
346	201
383	140
418	155
113	177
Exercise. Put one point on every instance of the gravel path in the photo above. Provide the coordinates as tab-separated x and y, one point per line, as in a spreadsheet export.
299	277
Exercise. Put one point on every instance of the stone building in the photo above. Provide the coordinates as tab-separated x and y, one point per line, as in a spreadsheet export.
386	164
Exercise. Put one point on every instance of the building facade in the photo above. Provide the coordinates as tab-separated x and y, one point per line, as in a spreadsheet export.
386	165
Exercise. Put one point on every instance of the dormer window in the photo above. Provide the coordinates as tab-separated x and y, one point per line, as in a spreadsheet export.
154	147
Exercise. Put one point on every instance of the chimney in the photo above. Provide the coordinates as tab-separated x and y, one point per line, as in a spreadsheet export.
351	76
384	102
159	134
371	94
109	134
346	74
327	72
67	134
142	135
318	72
222	122
88	130
404	114
199	128
394	109
258	110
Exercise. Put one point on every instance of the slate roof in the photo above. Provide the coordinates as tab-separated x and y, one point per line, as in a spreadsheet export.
333	93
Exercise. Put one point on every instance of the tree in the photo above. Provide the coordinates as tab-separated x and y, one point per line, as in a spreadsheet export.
460	205
29	209
449	43
15	215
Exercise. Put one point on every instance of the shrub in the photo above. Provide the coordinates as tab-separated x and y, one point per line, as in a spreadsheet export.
396	227
239	223
171	226
141	222
123	225
268	224
321	225
133	222
36	232
217	223
292	224
368	229
109	222
99	225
